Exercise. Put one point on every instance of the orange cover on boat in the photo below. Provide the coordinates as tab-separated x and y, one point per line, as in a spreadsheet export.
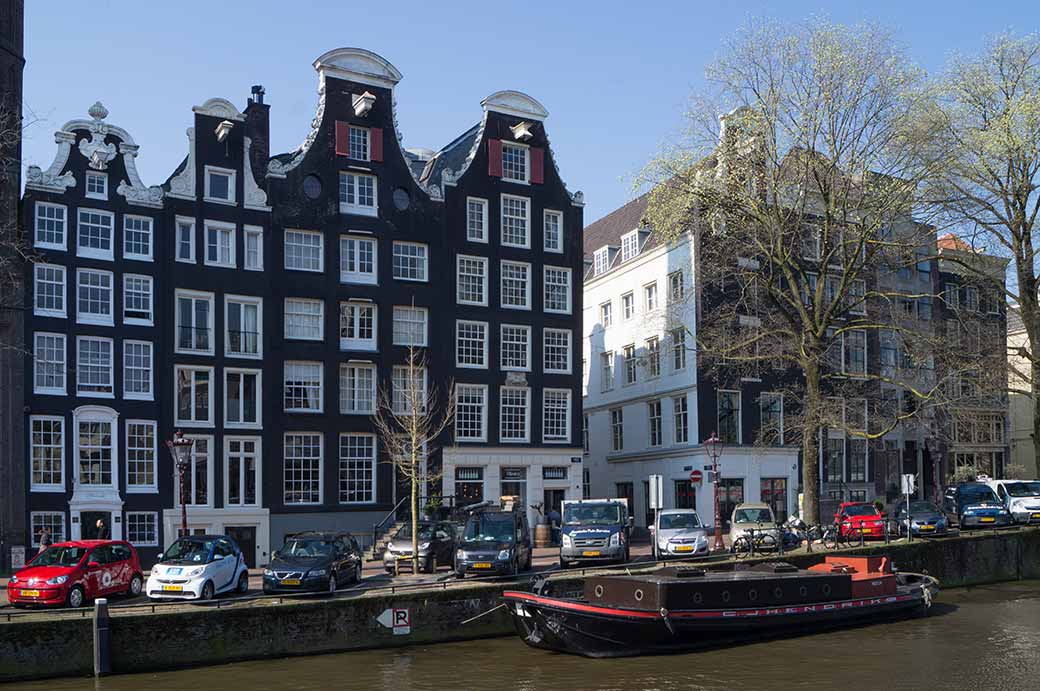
862	564
873	585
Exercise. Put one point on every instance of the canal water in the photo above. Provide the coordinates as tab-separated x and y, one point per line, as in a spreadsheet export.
979	638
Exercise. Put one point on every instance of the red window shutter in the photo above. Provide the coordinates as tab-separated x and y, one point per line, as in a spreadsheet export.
342	139
537	165
495	158
375	143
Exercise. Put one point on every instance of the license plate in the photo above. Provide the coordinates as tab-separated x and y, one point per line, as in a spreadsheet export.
291	581
590	553
927	527
1036	515
30	593
173	588
482	565
684	548
988	519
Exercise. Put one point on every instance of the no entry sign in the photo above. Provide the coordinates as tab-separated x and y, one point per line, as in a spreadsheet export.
696	476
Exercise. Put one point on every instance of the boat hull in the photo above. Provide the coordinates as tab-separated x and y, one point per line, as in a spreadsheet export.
577	627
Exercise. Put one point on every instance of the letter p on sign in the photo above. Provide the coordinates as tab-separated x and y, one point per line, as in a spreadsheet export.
399	620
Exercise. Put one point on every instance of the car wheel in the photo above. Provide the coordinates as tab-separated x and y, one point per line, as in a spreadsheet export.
357	572
243	583
75	597
564	564
207	591
136	583
332	583
433	563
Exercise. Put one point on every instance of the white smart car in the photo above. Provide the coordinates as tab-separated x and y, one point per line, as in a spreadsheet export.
198	567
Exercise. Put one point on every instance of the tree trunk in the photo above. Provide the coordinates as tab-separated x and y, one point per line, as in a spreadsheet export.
810	452
415	518
1034	386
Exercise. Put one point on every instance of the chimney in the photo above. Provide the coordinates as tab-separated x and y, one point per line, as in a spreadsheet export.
258	129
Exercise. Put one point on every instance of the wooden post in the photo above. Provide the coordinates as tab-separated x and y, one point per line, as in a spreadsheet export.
102	647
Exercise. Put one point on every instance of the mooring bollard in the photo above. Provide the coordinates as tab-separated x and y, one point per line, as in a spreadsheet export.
102	650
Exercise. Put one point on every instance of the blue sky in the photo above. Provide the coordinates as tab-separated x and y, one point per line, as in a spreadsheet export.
614	75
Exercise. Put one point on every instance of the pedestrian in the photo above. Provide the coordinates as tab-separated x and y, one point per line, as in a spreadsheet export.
102	530
45	538
554	525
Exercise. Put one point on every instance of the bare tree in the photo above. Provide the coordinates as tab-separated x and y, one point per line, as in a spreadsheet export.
15	251
988	115
412	423
797	179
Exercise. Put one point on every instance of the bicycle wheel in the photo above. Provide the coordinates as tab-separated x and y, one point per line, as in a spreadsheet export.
766	543
742	547
830	538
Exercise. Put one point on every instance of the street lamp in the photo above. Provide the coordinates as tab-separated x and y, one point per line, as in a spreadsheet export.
180	449
711	445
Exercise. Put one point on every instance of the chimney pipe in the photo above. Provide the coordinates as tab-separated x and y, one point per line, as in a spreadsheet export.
258	93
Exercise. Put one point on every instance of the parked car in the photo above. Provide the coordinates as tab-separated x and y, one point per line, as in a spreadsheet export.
437	542
595	530
855	518
1020	497
199	567
975	505
314	561
75	572
678	533
756	517
924	518
494	542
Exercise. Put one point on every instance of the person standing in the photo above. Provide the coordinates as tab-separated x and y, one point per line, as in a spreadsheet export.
45	538
102	530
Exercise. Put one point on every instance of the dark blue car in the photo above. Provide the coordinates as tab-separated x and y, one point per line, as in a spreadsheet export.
976	506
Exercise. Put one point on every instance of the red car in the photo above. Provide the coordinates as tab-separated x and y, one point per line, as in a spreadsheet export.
71	573
856	517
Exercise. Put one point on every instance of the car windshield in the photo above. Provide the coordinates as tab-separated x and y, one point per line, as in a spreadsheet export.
189	550
59	556
591	514
1023	489
679	521
923	507
753	516
488	528
976	495
861	510
405	532
306	548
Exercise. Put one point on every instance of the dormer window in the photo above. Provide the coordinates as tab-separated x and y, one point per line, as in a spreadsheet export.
220	185
515	162
600	261
359	143
97	185
629	245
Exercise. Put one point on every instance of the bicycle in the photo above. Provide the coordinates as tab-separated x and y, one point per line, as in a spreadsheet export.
828	534
745	545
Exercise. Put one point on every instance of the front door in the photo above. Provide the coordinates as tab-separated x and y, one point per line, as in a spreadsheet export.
774	493
245	536
554	501
89	527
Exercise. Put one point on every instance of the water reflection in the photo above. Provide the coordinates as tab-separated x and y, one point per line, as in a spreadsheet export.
974	638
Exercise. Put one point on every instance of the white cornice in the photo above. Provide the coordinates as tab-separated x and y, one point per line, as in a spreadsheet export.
219	108
357	65
515	103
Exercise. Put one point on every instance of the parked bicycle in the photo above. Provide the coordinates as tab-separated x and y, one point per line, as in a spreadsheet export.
753	540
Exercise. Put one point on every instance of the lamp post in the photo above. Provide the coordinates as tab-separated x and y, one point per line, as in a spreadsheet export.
180	449
711	445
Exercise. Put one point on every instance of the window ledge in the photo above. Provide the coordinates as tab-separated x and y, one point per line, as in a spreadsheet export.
218	200
358	210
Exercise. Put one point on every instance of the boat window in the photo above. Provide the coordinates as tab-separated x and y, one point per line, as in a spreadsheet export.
59	556
753	516
591	514
678	521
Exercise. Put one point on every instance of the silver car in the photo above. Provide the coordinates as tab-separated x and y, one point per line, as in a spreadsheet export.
679	533
755	517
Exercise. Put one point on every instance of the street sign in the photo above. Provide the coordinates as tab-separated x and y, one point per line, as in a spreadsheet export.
709	467
696	476
397	619
908	484
656	492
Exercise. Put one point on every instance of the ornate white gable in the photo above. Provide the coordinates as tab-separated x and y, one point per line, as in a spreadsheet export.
515	103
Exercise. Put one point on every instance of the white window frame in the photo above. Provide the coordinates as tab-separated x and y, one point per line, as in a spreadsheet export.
367	136
295	232
257	232
527	221
230	299
739	413
111	367
193	295
58	486
342	461
35	537
400	383
372	392
484	357
151	238
259	398
482	410
527	415
558	247
92	413
95	176
63	364
630	299
355	208
482	204
600	261
90	252
424	263
359	277
607	364
352	342
526	328
545	349
606	316
211	460
566	439
629	245
153	487
89	317
651	298
526	151
63	245
483	261
155	522
220	226
527	285
136	395
545	289
425	313
208	422
321	319
231	175
179	223
321	387
320	465
151	300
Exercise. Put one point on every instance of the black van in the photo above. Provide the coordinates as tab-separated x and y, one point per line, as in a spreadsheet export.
494	542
